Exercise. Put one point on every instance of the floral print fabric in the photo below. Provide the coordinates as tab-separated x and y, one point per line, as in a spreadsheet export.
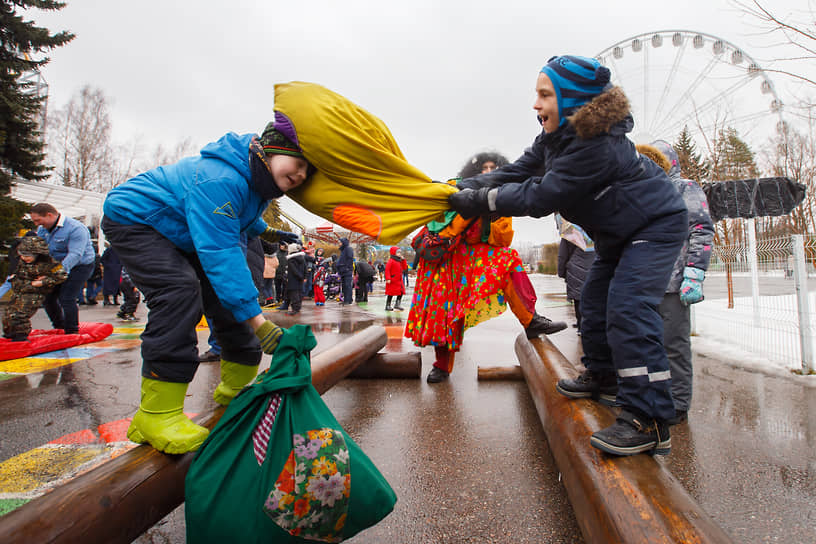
311	496
460	291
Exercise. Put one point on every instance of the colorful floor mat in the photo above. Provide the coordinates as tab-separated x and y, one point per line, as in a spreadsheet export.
44	341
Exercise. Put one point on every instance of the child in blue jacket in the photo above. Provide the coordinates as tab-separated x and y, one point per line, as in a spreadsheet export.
583	166
177	231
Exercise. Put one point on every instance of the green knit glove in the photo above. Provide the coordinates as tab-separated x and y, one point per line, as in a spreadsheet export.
269	335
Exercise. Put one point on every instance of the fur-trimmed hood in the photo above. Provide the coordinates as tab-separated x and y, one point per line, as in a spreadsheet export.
654	153
602	113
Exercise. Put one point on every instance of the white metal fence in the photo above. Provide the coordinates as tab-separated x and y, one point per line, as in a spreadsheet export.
757	299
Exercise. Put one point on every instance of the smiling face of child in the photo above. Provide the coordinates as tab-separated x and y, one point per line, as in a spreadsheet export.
287	171
546	103
28	258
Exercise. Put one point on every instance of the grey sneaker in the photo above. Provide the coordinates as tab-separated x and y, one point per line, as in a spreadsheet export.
631	434
589	384
541	325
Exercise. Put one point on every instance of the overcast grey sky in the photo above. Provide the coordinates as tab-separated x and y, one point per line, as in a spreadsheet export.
449	78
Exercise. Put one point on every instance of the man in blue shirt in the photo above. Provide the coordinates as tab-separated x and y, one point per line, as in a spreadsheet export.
69	242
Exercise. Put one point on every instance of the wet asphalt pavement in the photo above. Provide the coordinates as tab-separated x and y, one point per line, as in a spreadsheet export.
468	459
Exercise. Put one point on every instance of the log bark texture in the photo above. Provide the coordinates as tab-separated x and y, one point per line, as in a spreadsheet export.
626	500
499	373
390	365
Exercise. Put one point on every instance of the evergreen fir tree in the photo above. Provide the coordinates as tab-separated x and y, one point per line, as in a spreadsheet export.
692	166
735	160
21	144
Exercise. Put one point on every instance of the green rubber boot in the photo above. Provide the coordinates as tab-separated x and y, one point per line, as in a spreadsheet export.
160	419
233	378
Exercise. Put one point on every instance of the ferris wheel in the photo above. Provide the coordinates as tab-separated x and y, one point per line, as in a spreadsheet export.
681	78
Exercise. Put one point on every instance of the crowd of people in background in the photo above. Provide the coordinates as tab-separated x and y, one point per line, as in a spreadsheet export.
340	276
285	275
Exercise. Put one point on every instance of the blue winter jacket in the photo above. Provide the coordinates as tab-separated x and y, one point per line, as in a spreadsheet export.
590	172
202	204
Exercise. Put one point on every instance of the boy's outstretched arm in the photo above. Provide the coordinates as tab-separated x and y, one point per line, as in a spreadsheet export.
472	202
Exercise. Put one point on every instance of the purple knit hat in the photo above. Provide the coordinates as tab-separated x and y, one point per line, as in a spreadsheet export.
279	137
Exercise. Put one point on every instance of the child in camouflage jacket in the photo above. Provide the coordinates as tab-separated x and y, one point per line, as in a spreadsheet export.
36	274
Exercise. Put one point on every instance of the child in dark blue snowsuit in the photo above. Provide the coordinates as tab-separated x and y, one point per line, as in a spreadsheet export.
583	166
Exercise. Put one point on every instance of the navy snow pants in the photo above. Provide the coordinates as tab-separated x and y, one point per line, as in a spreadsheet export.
621	327
176	291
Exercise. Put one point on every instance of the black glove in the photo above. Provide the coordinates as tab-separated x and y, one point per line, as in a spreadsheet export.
469	202
282	236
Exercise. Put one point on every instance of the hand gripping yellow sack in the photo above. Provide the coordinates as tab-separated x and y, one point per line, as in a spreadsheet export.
363	182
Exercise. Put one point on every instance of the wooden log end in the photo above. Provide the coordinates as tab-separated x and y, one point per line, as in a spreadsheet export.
390	365
497	373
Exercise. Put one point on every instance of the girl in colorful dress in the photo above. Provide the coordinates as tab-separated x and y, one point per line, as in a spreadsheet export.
475	280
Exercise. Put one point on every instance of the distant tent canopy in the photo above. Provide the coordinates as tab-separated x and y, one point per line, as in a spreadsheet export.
329	233
86	206
82	205
758	197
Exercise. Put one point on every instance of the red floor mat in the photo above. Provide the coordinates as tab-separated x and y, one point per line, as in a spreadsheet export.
40	341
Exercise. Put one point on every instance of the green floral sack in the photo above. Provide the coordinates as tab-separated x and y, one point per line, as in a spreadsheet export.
278	467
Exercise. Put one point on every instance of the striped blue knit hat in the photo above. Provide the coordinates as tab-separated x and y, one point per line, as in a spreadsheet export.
576	81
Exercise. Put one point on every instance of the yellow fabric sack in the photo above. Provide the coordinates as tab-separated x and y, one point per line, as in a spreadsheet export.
363	182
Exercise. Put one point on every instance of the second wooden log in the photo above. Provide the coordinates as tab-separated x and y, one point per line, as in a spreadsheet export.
499	373
390	366
616	499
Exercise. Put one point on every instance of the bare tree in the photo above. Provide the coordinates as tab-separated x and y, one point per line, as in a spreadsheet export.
794	30
125	163
85	157
162	156
79	141
794	156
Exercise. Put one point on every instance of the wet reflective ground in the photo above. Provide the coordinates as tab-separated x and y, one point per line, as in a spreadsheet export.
748	455
468	459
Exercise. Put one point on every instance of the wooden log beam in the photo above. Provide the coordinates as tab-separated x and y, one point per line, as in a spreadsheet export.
119	500
616	499
499	373
392	365
337	362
